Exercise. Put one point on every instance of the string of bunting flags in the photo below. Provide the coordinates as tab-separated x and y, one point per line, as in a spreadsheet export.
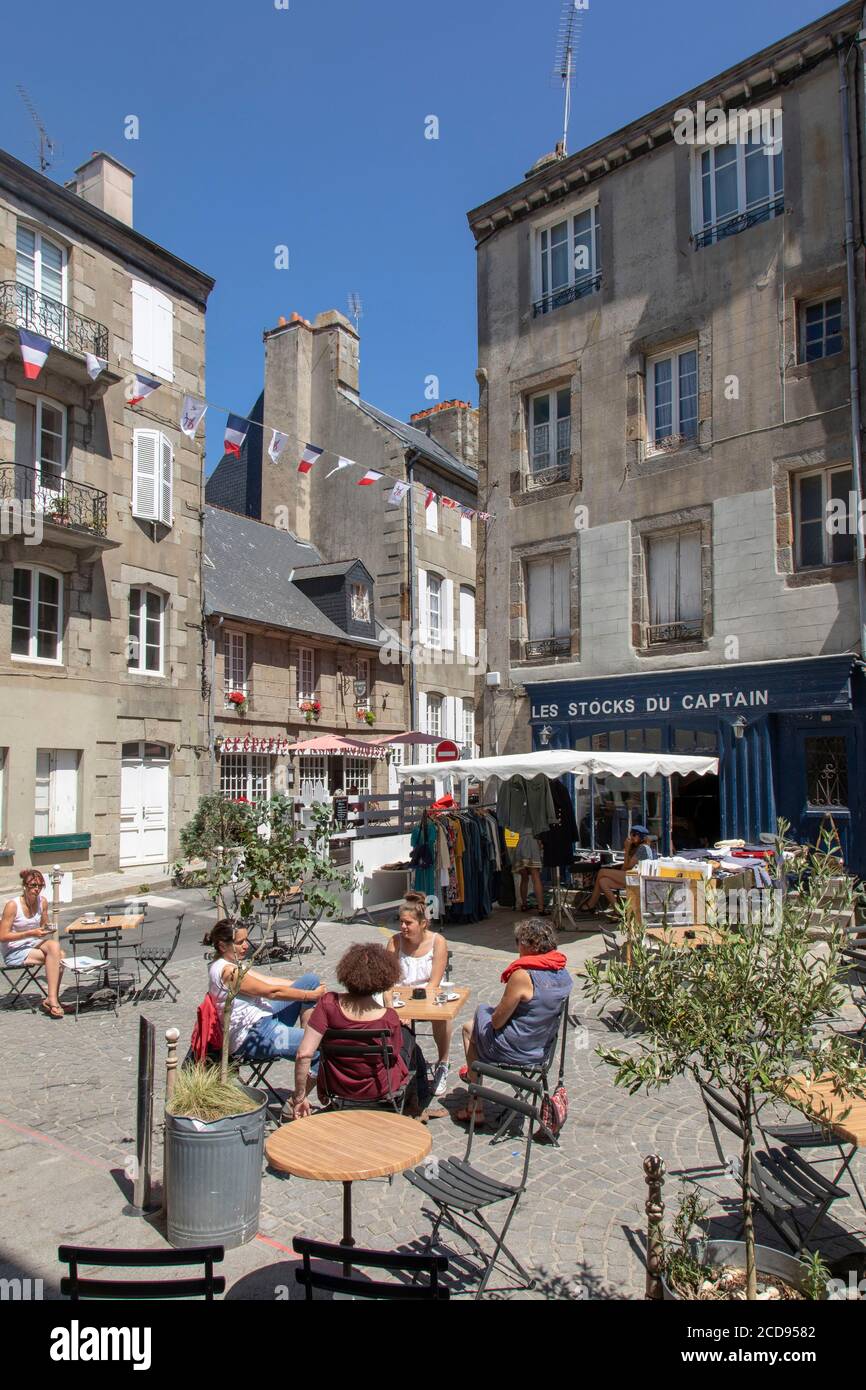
34	353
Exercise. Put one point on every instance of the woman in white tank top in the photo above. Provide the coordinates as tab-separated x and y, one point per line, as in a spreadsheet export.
423	956
26	938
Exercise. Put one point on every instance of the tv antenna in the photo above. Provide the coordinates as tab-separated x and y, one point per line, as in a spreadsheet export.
356	310
567	42
47	147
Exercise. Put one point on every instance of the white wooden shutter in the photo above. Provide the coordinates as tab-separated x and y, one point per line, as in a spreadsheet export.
447	618
458	721
466	530
561	596
42	802
65	791
423	626
166	470
163	335
467	622
144	474
142	325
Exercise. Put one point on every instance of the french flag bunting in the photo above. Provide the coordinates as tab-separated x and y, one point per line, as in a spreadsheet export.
277	445
236	433
95	365
429	498
141	388
449	502
34	350
371	476
310	456
342	462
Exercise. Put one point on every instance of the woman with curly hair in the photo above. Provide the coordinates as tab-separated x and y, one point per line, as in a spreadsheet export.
26	938
366	971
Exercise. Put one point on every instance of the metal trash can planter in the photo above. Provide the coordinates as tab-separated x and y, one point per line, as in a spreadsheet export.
213	1176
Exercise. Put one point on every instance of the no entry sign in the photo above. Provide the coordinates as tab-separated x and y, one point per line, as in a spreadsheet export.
447	751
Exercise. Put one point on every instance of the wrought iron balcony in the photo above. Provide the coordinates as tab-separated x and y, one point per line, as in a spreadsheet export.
546	477
22	307
688	631
54	497
567	295
550	646
730	226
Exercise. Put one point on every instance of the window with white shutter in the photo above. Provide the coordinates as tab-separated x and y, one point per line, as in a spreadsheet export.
467	622
548	605
56	798
152	480
422	634
466	530
166	482
152	330
447	615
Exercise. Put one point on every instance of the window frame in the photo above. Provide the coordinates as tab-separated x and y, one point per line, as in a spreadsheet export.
648	540
143	590
39	238
435	702
802	309
163	478
552	465
364	672
51	828
708	233
434	635
467	711
230	636
466	531
548	300
303	693
827	537
360	592
557	643
676	439
431	516
30	657
247	763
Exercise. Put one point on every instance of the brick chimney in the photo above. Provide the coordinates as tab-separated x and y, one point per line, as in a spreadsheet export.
454	425
344	345
107	184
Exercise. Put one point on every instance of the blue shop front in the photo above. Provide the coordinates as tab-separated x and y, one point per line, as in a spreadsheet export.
789	736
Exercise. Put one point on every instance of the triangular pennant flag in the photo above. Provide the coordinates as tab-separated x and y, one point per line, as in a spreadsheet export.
95	365
429	498
397	493
310	456
34	350
448	502
236	433
277	445
140	388
467	511
191	415
371	476
341	463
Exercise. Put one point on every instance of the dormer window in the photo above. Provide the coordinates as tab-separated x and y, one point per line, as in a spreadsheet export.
359	599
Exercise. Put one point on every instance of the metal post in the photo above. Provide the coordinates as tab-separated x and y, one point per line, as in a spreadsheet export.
410	512
56	879
171	1037
654	1176
144	1115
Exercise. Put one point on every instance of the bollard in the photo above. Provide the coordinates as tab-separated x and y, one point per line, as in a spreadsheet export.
56	879
141	1200
171	1037
654	1176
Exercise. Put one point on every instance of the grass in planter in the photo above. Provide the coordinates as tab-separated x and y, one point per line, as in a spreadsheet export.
200	1095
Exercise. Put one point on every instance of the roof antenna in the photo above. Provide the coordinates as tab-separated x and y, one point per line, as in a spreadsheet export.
567	41
356	310
47	147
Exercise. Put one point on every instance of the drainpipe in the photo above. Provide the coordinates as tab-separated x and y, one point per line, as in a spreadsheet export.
212	630
410	507
853	339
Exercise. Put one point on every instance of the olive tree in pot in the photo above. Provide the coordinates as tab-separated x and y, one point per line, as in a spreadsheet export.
214	1125
743	1016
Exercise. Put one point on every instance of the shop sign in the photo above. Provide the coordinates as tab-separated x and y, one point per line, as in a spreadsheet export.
713	701
248	743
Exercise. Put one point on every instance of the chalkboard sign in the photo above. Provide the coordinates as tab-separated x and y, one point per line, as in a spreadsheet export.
341	809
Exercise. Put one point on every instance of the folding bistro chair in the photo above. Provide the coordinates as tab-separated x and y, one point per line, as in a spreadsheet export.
257	1075
856	960
103	969
77	1288
17	978
132	940
310	1278
155	960
455	1186
538	1071
353	1043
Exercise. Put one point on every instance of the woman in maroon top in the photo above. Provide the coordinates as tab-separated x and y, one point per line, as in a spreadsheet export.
365	971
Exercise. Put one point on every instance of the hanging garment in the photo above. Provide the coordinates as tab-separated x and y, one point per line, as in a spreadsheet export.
423	841
526	804
558	842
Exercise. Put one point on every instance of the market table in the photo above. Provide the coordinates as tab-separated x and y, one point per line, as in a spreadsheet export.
124	923
687	938
426	1010
348	1146
843	1114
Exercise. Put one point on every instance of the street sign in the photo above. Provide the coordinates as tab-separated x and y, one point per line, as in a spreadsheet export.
447	751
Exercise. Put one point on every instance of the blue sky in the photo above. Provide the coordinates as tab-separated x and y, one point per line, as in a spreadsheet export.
305	127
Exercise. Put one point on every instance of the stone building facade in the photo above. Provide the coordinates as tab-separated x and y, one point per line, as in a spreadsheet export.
101	732
664	359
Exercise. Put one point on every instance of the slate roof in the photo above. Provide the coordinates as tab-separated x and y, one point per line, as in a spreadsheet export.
246	575
236	483
326	571
413	438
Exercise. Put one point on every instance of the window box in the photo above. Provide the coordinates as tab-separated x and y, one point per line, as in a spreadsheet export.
49	844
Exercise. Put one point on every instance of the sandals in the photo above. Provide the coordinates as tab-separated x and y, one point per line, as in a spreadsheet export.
52	1010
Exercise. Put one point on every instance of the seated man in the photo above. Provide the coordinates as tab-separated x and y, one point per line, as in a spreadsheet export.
518	1031
609	881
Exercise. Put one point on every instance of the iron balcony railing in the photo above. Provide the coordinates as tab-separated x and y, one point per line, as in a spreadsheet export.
550	646
674	632
730	226
22	307
545	477
567	295
55	497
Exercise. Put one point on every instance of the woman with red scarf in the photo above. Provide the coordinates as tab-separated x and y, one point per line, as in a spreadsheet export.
517	1032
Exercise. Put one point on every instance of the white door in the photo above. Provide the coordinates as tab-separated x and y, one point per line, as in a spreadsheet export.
144	806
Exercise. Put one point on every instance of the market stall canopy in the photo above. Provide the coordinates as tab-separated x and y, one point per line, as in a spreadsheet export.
336	744
553	762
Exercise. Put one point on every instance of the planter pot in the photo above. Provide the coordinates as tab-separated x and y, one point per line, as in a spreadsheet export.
733	1253
213	1176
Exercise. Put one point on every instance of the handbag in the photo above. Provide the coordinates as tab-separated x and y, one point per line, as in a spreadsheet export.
554	1105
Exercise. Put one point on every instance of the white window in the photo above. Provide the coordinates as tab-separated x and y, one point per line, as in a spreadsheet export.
37	615
152	476
466	530
824	512
146	631
820	329
357	773
306	674
56	809
548	584
672	398
434	611
360	603
234	665
431	514
40	273
365	701
245	776
152	330
467	622
467	733
434	715
568	261
674	586
40	447
550	432
313	773
738	184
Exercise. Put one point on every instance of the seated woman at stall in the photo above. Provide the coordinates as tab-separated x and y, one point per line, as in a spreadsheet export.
423	956
266	1010
366	971
26	937
519	1030
610	881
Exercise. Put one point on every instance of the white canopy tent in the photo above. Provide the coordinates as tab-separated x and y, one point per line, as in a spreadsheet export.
553	762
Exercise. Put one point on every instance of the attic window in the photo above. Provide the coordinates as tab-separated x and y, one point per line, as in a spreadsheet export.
360	601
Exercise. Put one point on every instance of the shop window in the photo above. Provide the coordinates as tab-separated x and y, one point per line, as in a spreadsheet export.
820	329
548	604
826	773
673	564
37	615
56	800
824	518
357	774
695	742
245	776
313	775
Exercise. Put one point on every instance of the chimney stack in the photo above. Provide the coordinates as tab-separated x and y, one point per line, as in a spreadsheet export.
107	184
454	425
344	346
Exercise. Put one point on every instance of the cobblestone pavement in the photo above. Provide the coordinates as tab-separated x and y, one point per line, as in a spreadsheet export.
67	1118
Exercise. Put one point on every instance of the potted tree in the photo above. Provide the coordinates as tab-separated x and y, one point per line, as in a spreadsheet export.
743	1016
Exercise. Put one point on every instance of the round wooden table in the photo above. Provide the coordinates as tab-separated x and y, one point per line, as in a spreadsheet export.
348	1146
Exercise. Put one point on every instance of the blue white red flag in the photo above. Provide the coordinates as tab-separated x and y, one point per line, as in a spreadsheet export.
236	433
310	456
140	388
34	350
